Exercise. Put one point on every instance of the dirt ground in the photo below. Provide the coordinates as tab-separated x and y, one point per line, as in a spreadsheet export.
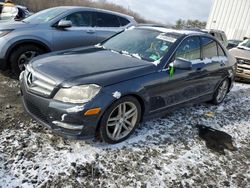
164	152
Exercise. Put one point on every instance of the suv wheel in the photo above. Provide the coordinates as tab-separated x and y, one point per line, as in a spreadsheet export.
221	92
23	55
120	120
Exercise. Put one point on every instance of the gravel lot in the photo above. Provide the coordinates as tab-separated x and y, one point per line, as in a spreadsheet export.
164	152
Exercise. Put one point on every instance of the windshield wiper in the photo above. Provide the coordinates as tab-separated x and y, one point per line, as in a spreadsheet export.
137	56
123	52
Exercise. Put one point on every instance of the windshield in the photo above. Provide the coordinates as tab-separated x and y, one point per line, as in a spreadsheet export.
145	44
245	44
45	15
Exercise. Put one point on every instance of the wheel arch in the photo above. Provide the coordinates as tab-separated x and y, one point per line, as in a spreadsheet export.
136	96
17	44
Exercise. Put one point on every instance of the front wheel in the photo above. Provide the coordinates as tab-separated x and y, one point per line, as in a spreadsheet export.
120	120
221	92
22	56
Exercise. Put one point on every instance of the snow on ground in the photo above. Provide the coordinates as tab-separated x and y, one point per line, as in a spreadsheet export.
164	152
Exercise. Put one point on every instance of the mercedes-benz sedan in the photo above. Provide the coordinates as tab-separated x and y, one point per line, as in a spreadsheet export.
108	89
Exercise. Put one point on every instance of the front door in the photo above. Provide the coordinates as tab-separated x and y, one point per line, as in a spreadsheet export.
182	85
82	32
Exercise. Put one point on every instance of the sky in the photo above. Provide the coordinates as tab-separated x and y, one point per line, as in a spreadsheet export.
168	11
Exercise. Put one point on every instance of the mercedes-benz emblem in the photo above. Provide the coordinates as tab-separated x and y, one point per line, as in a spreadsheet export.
29	79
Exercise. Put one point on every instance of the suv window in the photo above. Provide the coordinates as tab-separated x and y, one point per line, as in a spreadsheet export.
224	37
123	21
80	19
209	47
189	49
106	20
220	51
219	37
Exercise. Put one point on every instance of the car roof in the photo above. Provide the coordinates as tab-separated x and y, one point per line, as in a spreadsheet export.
169	30
213	30
96	9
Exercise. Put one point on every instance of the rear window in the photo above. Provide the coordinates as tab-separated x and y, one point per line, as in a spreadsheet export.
107	20
123	21
209	47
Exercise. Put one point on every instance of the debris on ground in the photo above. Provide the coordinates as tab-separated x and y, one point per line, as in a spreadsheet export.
215	139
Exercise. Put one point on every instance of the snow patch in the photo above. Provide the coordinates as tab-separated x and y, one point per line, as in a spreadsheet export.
75	109
117	95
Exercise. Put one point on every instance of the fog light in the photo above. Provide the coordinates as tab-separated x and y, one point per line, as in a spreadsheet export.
93	111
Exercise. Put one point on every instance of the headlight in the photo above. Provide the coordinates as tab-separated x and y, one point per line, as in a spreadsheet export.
4	32
77	94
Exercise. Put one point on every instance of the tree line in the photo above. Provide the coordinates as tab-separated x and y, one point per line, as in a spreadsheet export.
37	5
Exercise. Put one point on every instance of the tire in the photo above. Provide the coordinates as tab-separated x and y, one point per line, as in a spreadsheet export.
221	92
23	55
113	121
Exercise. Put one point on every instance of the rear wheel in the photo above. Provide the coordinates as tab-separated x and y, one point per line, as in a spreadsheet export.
221	92
22	56
120	120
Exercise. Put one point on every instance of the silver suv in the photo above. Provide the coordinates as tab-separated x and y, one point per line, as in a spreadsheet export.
55	29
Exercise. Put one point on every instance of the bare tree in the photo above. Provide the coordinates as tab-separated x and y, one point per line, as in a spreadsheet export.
37	5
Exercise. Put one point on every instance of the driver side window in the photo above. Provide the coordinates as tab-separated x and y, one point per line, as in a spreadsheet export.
190	49
80	19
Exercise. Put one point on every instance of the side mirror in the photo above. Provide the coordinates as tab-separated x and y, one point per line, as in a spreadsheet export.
182	64
64	24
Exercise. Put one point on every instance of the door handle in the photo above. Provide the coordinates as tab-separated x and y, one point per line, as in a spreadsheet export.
90	31
199	69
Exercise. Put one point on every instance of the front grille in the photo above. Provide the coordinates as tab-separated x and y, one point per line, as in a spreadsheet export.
243	61
35	111
38	83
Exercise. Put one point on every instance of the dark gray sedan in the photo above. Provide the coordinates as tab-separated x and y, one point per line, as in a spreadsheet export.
108	89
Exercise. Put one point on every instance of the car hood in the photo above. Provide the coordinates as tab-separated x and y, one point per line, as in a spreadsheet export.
90	65
240	53
10	24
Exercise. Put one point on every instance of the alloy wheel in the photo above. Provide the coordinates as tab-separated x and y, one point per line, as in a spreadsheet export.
222	91
25	58
122	120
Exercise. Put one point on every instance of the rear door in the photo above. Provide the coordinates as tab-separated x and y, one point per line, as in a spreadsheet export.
215	59
82	32
107	25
